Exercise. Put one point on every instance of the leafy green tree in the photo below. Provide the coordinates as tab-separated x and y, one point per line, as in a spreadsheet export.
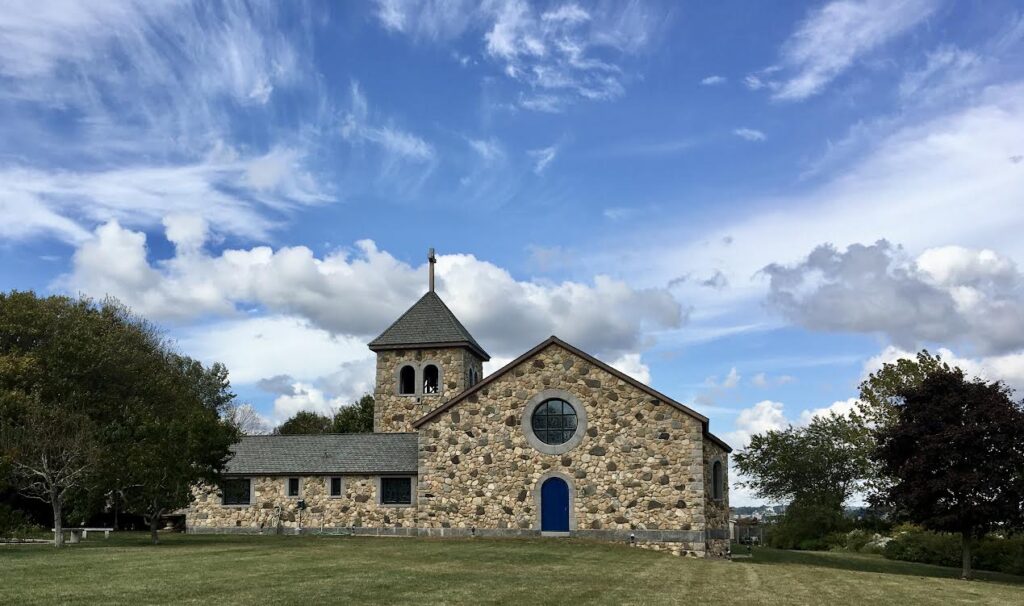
95	406
179	440
824	462
355	418
882	392
68	369
955	453
305	422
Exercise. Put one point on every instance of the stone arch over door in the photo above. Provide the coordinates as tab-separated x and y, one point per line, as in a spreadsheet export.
538	499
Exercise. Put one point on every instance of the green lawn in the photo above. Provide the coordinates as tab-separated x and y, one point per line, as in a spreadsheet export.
310	570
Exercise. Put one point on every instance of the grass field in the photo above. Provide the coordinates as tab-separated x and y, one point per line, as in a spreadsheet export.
311	570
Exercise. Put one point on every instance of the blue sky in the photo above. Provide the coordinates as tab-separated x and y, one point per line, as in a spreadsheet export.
749	206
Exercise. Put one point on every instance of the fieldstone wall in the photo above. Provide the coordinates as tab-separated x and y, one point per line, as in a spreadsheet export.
396	413
639	465
357	507
716	511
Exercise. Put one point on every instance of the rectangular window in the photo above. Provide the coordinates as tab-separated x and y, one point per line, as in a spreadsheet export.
335	487
235	491
293	487
396	491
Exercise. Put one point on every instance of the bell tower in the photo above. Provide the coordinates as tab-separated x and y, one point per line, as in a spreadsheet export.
424	358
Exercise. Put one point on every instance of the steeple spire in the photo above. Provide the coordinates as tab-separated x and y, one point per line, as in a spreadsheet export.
432	260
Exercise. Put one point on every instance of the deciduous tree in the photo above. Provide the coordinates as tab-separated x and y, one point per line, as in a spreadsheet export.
955	454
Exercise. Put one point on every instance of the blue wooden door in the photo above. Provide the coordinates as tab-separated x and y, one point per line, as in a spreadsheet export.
554	505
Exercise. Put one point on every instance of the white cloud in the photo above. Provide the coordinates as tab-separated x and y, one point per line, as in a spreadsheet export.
713	80
749	134
357	128
632	365
489	150
948	294
764	416
261	347
1008	368
948	72
944	180
219	189
732	379
567	52
358	292
763	380
304	397
833	37
841	407
542	158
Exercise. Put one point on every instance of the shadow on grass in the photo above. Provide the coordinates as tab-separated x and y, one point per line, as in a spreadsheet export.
864	563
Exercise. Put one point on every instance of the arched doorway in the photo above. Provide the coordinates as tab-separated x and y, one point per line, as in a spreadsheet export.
554	505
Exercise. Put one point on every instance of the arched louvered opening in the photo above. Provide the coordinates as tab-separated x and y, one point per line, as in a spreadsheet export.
407	381
431	379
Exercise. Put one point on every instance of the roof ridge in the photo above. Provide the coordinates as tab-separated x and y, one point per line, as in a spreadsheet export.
553	340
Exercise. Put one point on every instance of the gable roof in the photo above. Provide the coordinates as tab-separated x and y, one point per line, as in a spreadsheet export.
428	322
553	340
341	453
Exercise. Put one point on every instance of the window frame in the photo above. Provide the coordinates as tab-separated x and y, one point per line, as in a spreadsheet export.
288	487
526	421
415	380
423	381
412	491
330	485
223	501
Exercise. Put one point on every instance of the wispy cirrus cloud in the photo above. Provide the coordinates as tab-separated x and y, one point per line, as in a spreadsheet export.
129	110
542	158
357	127
563	53
750	134
832	38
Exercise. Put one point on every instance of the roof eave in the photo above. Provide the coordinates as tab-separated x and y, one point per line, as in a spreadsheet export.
438	344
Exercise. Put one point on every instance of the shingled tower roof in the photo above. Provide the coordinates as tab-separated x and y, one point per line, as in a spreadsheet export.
428	323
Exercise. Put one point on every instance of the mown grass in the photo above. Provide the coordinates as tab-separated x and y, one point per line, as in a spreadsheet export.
308	570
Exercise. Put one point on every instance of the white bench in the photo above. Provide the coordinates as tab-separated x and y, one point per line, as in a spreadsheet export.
77	534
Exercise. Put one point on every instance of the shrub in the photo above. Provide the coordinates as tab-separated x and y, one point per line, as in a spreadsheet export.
808	527
990	553
12	522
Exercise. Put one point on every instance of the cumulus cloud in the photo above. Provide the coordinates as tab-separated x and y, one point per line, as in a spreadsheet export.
764	416
357	292
842	408
632	365
1008	368
833	37
947	294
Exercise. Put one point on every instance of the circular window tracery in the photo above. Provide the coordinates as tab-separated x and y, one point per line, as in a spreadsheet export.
554	421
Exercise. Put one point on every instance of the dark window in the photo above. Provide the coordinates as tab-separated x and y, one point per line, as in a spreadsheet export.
473	377
335	487
235	492
396	491
407	380
293	487
431	379
716	480
554	422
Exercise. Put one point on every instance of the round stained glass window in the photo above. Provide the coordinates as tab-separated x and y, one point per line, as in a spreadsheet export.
554	421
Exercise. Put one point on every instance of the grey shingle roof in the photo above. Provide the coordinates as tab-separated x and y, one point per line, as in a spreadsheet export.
341	453
427	322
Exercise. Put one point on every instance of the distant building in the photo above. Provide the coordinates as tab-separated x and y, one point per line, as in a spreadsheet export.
554	443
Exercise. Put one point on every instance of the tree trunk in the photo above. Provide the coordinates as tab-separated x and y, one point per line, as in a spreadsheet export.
58	528
965	541
154	523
